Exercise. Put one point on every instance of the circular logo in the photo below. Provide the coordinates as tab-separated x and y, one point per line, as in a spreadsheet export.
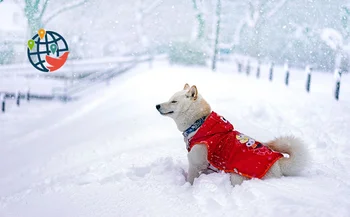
47	51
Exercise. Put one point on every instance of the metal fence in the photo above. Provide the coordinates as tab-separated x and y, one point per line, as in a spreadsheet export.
308	77
68	93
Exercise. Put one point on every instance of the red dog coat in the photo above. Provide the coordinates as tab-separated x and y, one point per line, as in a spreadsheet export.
232	151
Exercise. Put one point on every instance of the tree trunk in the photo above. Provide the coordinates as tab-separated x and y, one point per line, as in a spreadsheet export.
337	59
238	33
143	40
217	34
33	26
33	19
200	22
256	42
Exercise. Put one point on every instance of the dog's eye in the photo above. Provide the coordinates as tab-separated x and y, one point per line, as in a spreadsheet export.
174	101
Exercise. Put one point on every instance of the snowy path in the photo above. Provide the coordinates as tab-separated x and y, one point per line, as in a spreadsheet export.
112	154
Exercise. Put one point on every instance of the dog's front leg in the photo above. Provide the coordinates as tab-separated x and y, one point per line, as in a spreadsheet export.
193	173
197	159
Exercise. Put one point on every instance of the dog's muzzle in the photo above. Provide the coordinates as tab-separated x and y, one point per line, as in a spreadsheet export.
167	113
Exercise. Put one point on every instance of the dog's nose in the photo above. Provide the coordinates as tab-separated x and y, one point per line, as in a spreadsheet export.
157	106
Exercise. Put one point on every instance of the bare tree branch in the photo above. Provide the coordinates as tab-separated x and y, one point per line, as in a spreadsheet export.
200	24
151	7
37	3
255	11
43	9
28	2
217	35
276	8
64	9
238	31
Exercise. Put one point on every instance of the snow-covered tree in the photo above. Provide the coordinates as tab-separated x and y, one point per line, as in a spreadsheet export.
338	40
36	12
258	13
143	10
217	34
199	30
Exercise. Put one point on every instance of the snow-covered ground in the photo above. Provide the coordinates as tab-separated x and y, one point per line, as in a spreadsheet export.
37	85
112	154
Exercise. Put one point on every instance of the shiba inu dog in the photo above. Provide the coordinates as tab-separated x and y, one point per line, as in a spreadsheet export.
214	145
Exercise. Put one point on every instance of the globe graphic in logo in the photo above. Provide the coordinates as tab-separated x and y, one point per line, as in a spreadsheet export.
47	51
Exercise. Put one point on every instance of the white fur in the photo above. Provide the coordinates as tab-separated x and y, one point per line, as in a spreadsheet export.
198	162
187	106
297	151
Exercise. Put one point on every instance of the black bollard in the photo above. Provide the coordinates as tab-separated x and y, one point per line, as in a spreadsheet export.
2	97
286	67
337	76
337	88
271	72
18	98
308	78
239	65
248	68
258	71
28	95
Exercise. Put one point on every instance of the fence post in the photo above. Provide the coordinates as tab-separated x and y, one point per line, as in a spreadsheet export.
2	99
239	66
286	68
271	71
150	62
258	70
248	68
308	70
28	95
65	94
18	100
337	76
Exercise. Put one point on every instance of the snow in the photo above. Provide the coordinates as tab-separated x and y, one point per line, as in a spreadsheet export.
16	83
14	17
332	38
112	154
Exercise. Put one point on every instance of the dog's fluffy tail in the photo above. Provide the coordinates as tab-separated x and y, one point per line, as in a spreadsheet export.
297	151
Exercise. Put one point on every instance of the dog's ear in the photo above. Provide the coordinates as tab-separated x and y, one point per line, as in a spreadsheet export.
192	92
186	87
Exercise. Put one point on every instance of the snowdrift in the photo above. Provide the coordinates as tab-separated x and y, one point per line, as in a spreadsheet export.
112	154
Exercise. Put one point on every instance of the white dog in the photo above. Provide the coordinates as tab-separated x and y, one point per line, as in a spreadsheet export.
214	145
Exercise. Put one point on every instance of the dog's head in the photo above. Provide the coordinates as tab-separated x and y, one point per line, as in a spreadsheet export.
179	102
185	107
